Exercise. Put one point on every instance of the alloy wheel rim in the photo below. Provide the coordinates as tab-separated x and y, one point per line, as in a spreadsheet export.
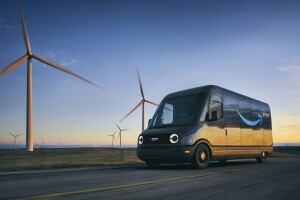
203	156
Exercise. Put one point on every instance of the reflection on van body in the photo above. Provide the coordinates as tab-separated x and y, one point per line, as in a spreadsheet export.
207	123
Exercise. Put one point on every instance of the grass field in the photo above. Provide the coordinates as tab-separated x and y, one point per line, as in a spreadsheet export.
19	159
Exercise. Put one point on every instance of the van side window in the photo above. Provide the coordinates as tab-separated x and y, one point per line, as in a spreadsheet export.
167	115
215	108
230	106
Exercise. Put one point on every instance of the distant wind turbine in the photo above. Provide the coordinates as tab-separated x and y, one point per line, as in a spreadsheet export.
120	133
15	139
28	56
113	138
142	103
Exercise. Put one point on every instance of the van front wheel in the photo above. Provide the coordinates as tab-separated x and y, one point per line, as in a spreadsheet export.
201	157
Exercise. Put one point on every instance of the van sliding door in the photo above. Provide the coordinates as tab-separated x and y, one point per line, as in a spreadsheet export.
215	132
245	114
233	135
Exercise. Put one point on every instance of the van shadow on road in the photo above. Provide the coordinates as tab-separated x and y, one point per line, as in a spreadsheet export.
212	165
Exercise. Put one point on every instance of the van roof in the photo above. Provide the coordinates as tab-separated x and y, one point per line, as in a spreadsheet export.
213	88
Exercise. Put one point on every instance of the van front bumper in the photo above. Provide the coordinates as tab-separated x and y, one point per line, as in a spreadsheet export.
166	153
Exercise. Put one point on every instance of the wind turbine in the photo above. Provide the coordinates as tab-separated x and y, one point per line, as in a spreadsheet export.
28	56
142	103
120	133
15	139
113	138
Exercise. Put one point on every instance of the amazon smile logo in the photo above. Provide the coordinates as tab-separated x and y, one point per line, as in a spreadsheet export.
248	122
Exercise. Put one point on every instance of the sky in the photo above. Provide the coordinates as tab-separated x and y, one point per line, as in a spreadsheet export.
250	47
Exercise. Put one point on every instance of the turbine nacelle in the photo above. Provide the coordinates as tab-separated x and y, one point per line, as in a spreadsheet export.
142	103
30	54
120	133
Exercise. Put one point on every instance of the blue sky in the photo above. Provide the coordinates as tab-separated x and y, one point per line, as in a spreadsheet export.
251	47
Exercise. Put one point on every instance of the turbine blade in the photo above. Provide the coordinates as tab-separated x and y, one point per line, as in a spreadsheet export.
18	135
118	126
118	136
52	64
136	107
125	129
141	87
116	139
12	134
13	65
24	29
114	133
152	102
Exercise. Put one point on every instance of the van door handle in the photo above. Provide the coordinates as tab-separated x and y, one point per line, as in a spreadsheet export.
226	132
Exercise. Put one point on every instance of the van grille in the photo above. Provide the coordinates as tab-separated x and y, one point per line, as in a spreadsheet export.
157	139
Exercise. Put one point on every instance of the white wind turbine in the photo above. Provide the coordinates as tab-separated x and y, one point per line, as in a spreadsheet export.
142	103
15	139
28	56
113	138
120	133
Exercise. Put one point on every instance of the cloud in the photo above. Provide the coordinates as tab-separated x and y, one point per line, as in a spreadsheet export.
59	58
4	26
293	72
290	68
291	127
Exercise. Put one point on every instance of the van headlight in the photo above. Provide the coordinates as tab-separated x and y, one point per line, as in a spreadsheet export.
187	140
141	140
174	138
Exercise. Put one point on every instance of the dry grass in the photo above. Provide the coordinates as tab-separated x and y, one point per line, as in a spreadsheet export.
19	159
284	155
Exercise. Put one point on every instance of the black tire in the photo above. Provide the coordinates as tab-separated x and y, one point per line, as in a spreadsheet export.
201	157
263	157
152	164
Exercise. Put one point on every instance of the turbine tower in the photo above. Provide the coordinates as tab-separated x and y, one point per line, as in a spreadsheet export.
15	139
113	138
142	103
120	133
28	56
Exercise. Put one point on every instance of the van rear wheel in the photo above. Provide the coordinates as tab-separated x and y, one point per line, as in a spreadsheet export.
263	157
201	157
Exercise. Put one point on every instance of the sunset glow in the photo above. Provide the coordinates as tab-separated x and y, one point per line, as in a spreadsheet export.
250	47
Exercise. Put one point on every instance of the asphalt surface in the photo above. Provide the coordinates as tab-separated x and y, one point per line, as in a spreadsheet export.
242	179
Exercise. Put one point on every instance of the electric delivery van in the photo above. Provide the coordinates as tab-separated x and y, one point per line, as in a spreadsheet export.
206	124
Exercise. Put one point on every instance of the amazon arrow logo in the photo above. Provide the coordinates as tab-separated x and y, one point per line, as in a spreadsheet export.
248	122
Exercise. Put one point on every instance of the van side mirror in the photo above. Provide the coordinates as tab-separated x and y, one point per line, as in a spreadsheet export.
149	121
214	115
206	117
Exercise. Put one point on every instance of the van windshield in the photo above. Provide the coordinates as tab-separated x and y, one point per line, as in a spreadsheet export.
177	111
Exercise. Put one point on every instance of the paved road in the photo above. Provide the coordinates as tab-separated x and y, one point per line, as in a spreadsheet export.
276	179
